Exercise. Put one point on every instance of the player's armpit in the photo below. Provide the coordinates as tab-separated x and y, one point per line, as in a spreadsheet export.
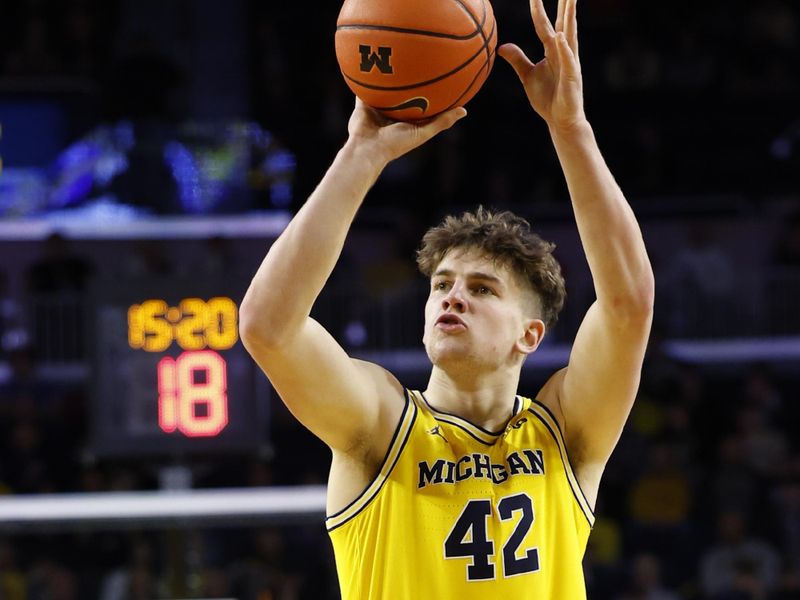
350	405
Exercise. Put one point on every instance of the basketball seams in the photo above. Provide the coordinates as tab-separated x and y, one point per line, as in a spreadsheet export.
486	65
400	88
490	52
421	32
374	25
479	23
410	86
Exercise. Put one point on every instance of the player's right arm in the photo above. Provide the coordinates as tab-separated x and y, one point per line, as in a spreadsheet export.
341	400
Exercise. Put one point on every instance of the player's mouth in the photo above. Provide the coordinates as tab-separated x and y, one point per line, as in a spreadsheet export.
450	323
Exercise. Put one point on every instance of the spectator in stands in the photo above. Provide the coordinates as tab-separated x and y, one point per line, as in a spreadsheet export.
34	54
13	585
6	311
645	583
785	511
737	562
761	390
786	246
135	580
789	588
691	65
772	32
216	259
25	393
56	284
263	574
660	501
60	268
214	583
701	281
732	484
84	32
26	466
766	448
605	559
148	259
634	65
782	286
51	580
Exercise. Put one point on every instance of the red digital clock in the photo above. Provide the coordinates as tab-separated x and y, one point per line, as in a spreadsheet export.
171	375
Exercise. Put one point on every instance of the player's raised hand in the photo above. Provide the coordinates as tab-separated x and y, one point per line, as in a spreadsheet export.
386	139
554	84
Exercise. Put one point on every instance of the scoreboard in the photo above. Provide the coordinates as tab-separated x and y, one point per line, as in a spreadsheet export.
171	377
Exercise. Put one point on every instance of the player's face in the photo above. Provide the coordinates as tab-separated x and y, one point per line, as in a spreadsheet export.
476	312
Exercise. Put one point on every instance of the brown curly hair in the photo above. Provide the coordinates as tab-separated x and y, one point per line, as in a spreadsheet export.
508	239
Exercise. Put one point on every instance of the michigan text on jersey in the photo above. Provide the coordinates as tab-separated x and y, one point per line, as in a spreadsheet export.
480	466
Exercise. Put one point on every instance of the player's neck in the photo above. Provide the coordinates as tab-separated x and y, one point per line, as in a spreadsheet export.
485	400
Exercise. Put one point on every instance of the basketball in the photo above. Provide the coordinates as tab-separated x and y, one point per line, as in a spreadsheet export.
414	59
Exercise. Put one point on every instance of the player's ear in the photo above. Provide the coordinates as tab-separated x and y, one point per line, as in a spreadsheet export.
529	341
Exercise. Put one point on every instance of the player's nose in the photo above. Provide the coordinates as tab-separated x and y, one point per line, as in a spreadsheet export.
456	298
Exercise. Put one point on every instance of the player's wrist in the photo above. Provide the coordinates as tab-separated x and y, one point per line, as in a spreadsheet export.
363	156
571	131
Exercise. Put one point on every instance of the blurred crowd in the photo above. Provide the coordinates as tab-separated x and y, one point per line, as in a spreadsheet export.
701	500
686	99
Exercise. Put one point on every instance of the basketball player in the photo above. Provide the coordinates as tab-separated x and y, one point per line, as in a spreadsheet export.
465	490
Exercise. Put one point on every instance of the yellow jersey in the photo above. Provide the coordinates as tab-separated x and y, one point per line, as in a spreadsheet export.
461	513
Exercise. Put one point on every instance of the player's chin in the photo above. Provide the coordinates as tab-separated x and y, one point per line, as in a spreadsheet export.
447	349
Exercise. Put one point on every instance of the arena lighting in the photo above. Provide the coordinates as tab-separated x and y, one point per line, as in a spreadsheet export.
77	225
159	509
735	351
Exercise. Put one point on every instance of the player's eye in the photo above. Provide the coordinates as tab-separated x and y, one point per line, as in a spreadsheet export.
440	286
484	291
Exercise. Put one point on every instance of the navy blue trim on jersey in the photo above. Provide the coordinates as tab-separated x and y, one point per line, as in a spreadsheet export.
567	463
436	411
467	431
564	439
382	473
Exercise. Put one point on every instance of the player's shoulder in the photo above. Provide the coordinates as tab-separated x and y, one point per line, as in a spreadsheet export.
387	386
549	395
391	398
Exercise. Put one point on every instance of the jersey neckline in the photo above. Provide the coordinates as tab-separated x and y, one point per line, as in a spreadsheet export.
440	415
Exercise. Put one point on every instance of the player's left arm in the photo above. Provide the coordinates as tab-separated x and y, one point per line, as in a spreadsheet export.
596	391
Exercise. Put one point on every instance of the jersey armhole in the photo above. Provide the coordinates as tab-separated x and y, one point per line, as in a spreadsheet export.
399	439
541	412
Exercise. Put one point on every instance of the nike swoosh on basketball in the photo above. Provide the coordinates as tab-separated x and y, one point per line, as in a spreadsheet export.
418	102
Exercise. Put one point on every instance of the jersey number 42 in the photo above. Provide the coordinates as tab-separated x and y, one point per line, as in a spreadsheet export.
469	538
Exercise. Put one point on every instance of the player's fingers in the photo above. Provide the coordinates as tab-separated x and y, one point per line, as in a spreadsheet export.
444	121
363	107
560	17
568	62
514	56
363	111
571	24
541	23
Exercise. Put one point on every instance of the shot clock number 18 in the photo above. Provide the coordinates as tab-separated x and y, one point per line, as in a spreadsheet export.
192	387
171	378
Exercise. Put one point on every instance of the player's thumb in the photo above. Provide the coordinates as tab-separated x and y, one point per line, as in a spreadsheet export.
445	121
514	56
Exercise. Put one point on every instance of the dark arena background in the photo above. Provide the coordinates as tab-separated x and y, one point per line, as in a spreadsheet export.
153	150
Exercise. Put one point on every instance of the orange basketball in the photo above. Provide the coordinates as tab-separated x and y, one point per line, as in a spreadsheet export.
413	59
